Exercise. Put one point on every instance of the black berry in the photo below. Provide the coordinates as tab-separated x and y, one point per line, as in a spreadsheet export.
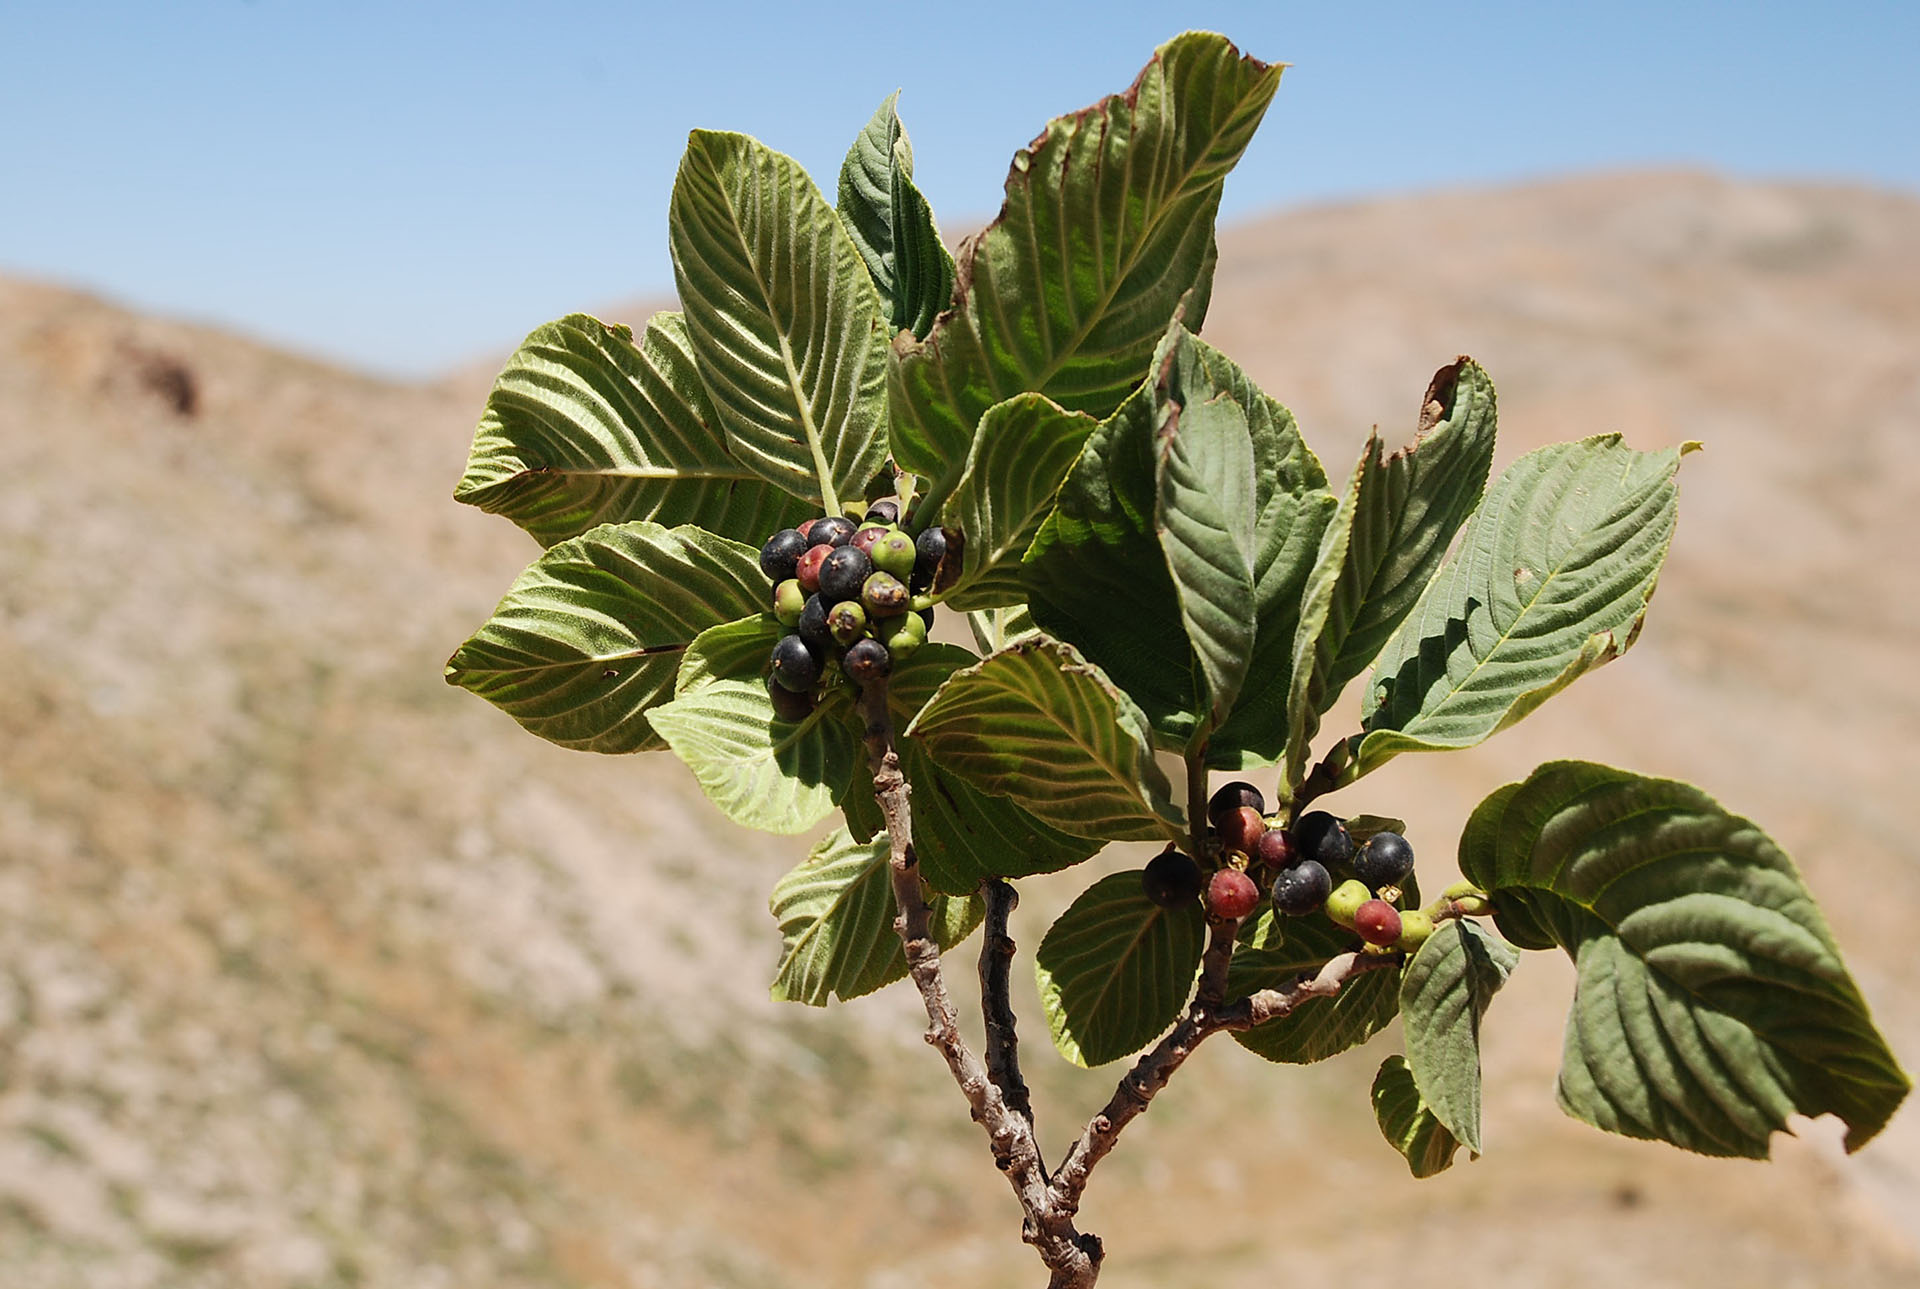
929	549
1230	798
834	530
796	665
1318	835
1302	889
1171	879
846	569
813	623
1384	860
884	511
867	660
787	705
782	551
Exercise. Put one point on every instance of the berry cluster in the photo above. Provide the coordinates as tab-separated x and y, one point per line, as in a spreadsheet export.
850	588
1301	862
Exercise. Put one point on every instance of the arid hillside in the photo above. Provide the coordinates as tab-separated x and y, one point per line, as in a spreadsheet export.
316	972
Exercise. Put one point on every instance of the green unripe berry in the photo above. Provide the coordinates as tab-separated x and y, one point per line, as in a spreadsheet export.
846	622
895	553
902	636
789	599
1415	928
1346	901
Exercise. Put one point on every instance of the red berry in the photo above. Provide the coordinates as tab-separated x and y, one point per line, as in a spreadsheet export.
864	538
1275	849
1231	895
807	568
1378	922
1242	830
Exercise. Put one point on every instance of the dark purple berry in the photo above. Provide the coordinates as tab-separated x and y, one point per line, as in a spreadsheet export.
1302	889
1385	860
846	569
1231	895
1318	835
929	549
806	570
885	595
834	530
813	623
796	664
1230	798
1242	830
782	551
884	511
1275	849
867	660
787	705
864	538
1171	879
1378	922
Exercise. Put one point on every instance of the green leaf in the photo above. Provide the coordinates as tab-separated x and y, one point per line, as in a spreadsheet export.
1444	992
961	835
1291	508
1408	1123
1711	1000
769	774
783	317
1551	580
1038	723
589	637
1115	969
731	651
1021	452
1096	577
1276	953
1204	518
892	224
1107	225
583	428
1386	541
836	914
1097	569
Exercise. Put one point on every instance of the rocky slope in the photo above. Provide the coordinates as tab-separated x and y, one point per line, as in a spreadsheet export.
314	972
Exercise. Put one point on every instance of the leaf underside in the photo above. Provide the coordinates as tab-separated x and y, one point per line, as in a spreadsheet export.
1711	1000
1115	969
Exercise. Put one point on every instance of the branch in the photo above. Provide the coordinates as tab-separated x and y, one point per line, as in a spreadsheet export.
996	1002
1073	1258
1151	1072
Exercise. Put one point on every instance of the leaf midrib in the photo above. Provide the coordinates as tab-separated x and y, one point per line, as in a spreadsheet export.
1111	287
825	474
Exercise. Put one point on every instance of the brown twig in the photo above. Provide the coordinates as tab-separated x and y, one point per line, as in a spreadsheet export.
1072	1258
996	1001
1151	1072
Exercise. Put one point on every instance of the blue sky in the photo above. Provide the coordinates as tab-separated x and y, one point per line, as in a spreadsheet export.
408	185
